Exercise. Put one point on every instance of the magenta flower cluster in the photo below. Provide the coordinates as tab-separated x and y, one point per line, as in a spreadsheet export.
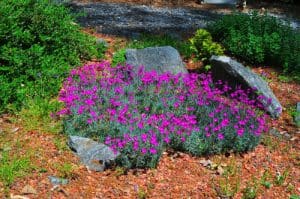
141	113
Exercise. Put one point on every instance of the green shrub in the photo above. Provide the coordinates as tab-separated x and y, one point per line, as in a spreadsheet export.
259	39
118	57
12	167
203	46
145	41
38	43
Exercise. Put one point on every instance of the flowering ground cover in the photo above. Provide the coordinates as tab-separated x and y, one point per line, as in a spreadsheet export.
139	114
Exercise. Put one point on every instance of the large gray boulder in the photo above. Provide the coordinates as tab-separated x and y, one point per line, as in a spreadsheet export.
96	156
161	59
227	69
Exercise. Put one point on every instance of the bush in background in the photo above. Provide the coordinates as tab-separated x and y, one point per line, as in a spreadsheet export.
140	114
39	42
259	39
146	40
203	47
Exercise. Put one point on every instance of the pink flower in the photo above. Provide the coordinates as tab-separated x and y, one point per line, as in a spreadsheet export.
144	137
240	132
140	125
143	150
89	102
220	136
152	150
167	140
89	121
80	109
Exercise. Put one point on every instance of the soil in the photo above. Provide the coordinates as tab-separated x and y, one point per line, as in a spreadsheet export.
178	175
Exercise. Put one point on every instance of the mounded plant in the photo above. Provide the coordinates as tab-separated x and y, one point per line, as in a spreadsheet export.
203	46
259	39
39	42
141	114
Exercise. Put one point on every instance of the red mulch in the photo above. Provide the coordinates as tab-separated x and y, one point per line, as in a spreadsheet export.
178	175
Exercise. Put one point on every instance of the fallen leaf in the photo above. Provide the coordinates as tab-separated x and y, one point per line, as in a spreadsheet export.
294	138
15	129
18	197
28	190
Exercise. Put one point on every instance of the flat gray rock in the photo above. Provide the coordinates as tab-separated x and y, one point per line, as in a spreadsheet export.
58	181
96	156
225	68
160	59
297	117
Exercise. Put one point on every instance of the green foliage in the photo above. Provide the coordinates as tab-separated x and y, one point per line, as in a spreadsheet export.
35	115
203	46
101	48
265	180
294	196
39	42
60	144
145	41
249	192
259	39
142	194
229	183
199	144
280	178
118	58
65	170
12	167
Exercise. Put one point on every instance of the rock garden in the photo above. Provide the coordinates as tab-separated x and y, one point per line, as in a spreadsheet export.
159	99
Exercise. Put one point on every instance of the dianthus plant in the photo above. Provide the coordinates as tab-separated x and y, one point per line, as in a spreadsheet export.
141	113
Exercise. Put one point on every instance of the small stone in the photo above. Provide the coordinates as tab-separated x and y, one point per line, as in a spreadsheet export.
101	41
220	170
214	166
205	163
96	156
57	181
18	197
6	148
297	116
283	132
287	136
15	129
28	190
